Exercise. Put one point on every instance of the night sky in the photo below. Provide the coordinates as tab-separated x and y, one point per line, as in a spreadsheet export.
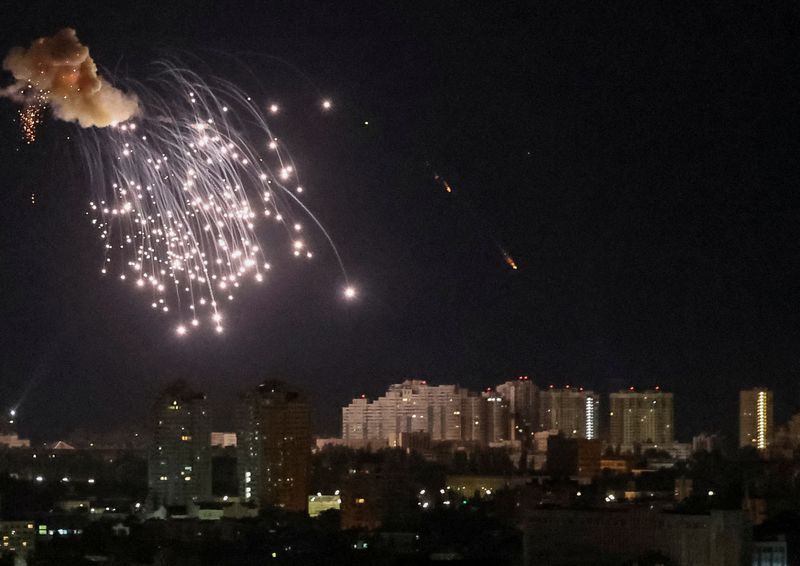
638	162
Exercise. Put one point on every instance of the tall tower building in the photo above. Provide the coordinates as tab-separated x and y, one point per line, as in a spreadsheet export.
522	396
755	418
571	411
641	417
274	446
179	463
498	422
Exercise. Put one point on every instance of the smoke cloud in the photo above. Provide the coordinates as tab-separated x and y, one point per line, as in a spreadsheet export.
59	72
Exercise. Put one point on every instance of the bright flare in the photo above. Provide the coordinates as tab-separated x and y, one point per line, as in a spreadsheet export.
182	190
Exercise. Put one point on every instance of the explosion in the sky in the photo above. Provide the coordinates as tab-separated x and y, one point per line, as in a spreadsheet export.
58	72
182	186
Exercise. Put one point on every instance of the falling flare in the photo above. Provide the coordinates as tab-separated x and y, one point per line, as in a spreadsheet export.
182	198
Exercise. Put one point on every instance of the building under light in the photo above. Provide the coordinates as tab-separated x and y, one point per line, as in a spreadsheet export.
444	412
641	418
274	446
179	463
755	418
572	411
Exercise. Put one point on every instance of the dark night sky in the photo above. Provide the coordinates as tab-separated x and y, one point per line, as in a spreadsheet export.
639	162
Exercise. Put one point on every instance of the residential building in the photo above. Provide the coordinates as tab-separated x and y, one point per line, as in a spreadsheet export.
641	418
445	412
498	418
274	446
755	418
521	394
572	411
179	463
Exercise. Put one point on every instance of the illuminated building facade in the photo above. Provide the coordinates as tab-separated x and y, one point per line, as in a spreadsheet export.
641	418
444	412
755	418
179	463
571	411
274	446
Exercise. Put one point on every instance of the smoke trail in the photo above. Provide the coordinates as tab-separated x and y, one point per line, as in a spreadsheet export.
58	72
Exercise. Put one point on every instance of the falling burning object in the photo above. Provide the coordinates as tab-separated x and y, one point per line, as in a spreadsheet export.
508	259
444	182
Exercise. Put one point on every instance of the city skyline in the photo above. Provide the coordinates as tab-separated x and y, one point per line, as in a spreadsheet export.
653	241
625	420
592	406
377	283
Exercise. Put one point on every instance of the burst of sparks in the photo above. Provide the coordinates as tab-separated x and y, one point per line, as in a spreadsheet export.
31	115
184	190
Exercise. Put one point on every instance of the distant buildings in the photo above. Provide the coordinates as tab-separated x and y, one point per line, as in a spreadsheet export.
274	446
179	463
498	418
522	396
704	442
641	418
571	411
445	412
755	418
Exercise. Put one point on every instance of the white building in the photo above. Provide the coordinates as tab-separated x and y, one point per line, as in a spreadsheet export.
445	412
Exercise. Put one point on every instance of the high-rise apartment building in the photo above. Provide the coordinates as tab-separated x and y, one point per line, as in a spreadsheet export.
445	412
641	418
571	411
522	397
179	463
755	418
274	446
498	417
